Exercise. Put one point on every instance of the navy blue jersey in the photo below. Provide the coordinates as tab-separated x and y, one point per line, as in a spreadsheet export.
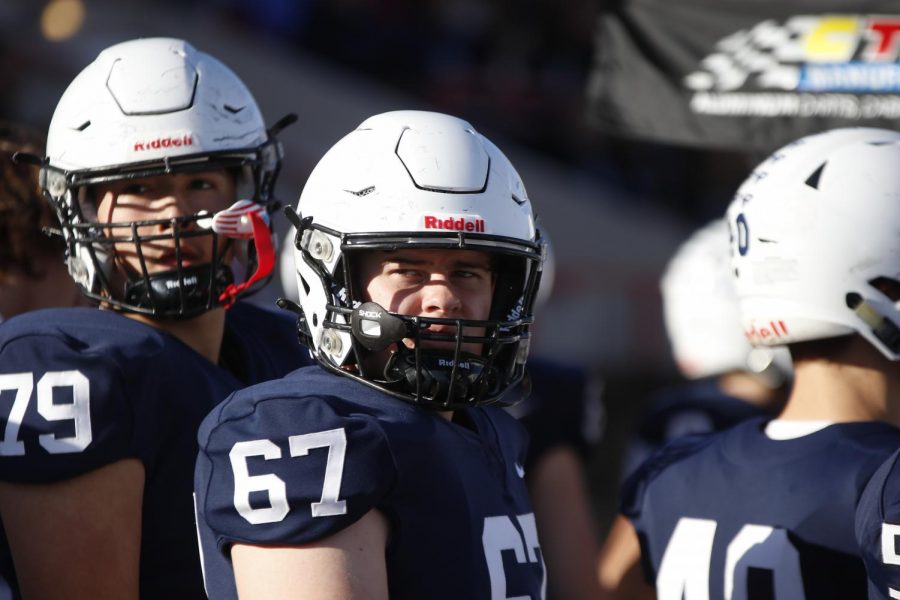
878	529
694	407
563	408
82	388
296	460
735	514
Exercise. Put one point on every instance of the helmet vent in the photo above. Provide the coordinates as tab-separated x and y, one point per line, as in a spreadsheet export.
813	180
362	192
518	200
303	281
83	126
232	109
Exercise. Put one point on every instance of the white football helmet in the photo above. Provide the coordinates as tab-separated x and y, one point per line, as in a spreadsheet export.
700	312
149	107
425	180
815	236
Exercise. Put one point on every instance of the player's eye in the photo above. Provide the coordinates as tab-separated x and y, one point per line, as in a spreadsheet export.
135	189
201	183
406	275
471	274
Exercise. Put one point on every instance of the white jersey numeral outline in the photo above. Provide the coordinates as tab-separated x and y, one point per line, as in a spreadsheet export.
329	504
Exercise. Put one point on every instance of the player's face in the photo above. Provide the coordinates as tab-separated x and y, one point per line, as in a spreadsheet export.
163	197
448	284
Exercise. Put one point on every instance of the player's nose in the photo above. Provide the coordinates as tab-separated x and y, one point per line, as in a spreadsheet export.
439	297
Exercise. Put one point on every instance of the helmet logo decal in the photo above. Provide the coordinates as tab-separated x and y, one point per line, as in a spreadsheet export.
472	224
167	141
191	280
450	363
775	329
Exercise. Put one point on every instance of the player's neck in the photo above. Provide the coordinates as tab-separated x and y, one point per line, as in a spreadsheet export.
862	389
202	333
750	388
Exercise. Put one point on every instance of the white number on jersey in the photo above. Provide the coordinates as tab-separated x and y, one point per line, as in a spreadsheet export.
500	534
684	570
78	411
889	556
328	505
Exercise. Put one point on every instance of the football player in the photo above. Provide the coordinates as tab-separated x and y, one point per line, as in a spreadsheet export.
383	470
32	271
161	170
728	380
766	509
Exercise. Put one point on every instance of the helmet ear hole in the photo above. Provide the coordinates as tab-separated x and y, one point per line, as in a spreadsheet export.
887	286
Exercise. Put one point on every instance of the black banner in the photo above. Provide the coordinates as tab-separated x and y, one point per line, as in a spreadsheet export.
744	74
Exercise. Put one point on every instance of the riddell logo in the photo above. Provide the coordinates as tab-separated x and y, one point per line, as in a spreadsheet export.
164	142
188	282
774	329
474	225
443	362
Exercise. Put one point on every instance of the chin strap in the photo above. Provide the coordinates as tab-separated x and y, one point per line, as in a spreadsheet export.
244	220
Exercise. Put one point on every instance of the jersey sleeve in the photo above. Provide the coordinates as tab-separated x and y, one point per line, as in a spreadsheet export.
63	409
878	529
638	487
288	471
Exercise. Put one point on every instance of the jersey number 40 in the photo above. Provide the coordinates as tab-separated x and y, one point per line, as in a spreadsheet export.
684	570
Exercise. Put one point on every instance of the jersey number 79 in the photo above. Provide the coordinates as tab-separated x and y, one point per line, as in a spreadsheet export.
78	411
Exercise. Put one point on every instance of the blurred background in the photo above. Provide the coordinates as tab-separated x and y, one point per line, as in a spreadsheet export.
614	209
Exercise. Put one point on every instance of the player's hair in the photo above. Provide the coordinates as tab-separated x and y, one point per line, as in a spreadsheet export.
23	211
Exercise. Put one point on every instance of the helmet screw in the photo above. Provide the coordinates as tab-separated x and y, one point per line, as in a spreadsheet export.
330	342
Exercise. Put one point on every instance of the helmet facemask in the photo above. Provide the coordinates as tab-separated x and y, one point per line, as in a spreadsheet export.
183	291
354	330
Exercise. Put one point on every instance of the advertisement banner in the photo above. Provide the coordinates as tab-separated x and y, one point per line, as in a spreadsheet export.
744	74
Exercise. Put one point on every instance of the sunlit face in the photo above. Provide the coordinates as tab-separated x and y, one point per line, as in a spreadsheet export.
163	197
449	284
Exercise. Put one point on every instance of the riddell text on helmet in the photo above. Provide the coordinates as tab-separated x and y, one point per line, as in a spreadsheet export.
458	224
165	142
774	329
